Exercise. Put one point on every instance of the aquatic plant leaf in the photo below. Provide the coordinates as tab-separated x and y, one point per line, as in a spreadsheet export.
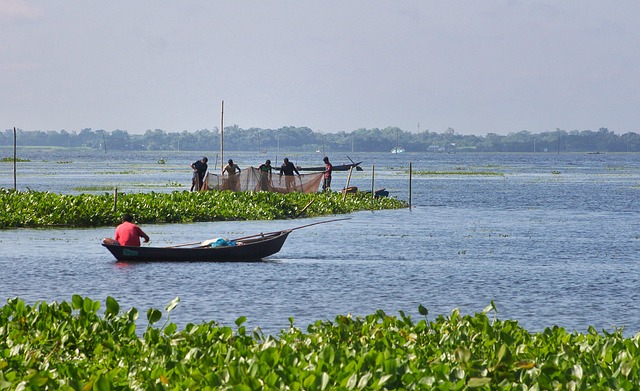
501	353
476	382
173	304
89	306
170	329
352	381
309	381
324	382
525	364
102	384
113	308
362	383
241	320
77	302
153	315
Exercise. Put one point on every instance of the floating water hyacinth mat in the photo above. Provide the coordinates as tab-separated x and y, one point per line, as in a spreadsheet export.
70	346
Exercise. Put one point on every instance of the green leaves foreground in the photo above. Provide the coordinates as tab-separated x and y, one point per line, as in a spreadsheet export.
69	346
45	209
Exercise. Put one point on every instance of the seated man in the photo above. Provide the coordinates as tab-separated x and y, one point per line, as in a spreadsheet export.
128	233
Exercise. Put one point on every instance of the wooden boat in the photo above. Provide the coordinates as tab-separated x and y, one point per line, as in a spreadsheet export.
342	167
247	249
378	193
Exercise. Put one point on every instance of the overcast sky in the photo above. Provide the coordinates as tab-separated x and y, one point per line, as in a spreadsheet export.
330	65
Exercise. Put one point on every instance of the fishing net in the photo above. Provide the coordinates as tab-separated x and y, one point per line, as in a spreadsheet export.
251	179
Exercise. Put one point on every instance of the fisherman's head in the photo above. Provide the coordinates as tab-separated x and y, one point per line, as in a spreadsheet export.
127	217
204	159
230	161
326	159
286	160
268	162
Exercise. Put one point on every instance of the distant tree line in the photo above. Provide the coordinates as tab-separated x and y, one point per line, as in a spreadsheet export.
304	139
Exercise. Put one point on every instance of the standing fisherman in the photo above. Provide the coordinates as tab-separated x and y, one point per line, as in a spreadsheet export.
232	171
199	171
265	170
328	169
287	169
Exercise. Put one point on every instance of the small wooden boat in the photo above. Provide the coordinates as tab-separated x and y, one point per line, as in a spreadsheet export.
379	193
341	167
247	249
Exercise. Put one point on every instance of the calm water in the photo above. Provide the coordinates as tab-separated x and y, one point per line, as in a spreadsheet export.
552	242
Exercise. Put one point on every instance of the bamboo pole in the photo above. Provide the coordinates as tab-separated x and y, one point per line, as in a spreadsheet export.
305	208
115	199
15	158
222	136
346	188
373	177
410	174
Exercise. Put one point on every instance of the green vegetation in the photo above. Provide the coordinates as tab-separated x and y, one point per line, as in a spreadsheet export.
10	159
69	346
304	139
174	184
93	188
489	173
45	209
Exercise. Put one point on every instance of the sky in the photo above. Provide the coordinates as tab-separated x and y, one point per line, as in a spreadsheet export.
478	67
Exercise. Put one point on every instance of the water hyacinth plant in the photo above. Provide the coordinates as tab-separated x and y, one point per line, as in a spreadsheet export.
470	173
10	159
70	346
45	209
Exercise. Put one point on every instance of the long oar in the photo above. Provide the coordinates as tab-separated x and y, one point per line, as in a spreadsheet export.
290	229
184	244
264	234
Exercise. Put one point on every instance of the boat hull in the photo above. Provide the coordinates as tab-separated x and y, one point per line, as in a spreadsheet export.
248	250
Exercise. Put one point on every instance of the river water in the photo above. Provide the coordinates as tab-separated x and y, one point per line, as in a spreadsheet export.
553	240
